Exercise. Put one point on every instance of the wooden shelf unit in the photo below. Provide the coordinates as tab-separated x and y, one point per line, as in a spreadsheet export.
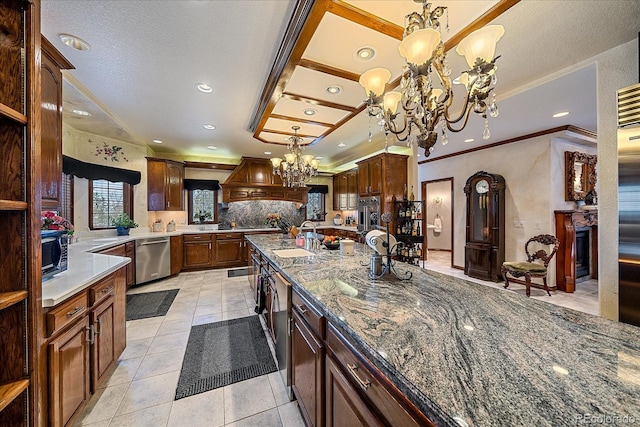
9	392
7	299
12	205
12	114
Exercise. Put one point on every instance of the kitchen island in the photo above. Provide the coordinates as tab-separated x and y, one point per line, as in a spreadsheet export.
466	354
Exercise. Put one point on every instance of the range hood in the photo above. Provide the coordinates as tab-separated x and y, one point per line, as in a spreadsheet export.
253	179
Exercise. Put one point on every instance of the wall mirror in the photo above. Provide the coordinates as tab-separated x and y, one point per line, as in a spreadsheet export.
580	174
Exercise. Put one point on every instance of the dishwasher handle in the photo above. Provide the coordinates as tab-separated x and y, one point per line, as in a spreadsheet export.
154	242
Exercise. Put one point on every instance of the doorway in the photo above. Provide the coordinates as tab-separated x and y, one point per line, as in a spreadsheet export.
437	196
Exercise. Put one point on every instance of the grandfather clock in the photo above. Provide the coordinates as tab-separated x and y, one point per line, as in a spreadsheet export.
484	250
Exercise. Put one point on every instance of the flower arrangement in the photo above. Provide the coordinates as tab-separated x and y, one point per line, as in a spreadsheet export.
203	215
51	221
273	220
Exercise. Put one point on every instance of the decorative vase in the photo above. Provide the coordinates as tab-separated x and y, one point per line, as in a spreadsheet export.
122	231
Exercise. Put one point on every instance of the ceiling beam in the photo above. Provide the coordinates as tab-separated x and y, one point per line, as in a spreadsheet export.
327	69
319	102
299	120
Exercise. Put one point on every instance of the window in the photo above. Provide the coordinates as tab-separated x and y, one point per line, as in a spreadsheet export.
108	200
315	207
66	198
203	206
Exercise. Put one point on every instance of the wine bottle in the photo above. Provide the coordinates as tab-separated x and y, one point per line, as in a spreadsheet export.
404	194
418	230
412	197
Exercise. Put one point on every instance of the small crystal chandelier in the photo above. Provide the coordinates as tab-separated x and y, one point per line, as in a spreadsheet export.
296	168
422	107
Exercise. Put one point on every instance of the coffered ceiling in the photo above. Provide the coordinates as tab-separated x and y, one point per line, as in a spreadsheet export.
138	79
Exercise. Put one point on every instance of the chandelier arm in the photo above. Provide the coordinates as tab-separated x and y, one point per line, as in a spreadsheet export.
394	129
466	118
465	111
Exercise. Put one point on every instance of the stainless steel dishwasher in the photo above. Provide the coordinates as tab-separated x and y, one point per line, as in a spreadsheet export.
153	259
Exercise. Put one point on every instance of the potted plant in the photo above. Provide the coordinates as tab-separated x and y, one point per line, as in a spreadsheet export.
203	215
123	223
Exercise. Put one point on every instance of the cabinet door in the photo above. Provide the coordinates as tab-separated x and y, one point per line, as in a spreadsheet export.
229	252
352	191
175	186
336	192
103	347
260	172
345	407
51	134
363	179
68	373
375	176
176	255
197	254
307	357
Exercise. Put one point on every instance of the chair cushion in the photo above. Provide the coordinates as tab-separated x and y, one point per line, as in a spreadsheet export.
530	267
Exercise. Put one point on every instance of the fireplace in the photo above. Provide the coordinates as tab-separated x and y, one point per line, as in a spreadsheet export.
577	255
583	249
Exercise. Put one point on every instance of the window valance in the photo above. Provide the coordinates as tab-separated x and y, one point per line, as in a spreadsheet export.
201	184
71	166
322	189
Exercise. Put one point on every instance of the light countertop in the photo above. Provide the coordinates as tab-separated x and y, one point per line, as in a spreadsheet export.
86	267
458	349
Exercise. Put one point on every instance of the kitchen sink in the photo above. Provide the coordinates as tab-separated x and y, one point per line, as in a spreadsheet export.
292	253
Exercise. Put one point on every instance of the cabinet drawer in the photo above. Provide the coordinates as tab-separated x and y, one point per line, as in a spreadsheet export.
67	312
104	289
197	237
373	384
225	236
315	319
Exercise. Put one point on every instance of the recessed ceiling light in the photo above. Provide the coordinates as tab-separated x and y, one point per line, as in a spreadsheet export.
267	152
157	141
212	147
342	144
309	112
205	88
318	157
469	140
209	127
80	112
74	42
365	53
562	114
334	89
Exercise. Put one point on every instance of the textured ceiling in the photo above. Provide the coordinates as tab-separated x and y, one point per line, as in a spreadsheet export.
138	80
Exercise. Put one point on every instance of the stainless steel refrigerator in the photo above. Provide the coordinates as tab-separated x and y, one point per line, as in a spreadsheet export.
629	205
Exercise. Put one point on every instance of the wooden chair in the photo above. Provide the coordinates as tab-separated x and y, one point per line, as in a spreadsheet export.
530	268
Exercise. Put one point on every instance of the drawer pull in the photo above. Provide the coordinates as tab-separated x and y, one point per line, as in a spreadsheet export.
75	311
354	368
97	327
107	290
90	336
301	308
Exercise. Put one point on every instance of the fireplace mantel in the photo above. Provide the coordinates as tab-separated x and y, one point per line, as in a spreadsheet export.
566	224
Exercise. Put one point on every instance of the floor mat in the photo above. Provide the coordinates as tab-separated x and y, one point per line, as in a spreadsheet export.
238	272
149	304
222	353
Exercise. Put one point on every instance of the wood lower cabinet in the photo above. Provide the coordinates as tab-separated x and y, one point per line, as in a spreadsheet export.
176	254
69	377
230	250
125	250
198	251
345	407
103	346
87	335
307	377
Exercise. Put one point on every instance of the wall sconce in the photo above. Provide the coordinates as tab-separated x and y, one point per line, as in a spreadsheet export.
437	200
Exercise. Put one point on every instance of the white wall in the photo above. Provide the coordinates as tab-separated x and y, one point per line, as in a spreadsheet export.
442	191
534	173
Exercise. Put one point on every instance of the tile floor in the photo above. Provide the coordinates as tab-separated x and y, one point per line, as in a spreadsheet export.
141	389
584	299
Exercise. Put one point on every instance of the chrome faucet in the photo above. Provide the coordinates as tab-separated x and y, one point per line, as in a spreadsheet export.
314	239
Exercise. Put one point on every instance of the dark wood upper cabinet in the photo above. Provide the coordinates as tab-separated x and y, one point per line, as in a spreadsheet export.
345	190
485	231
51	134
165	185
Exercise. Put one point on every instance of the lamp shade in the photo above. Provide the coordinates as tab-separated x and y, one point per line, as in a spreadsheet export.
374	80
307	158
315	163
275	162
417	48
290	158
391	100
480	44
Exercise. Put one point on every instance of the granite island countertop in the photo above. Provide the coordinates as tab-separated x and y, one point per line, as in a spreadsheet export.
463	351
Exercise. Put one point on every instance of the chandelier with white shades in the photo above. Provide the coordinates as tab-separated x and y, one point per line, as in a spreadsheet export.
424	107
296	168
